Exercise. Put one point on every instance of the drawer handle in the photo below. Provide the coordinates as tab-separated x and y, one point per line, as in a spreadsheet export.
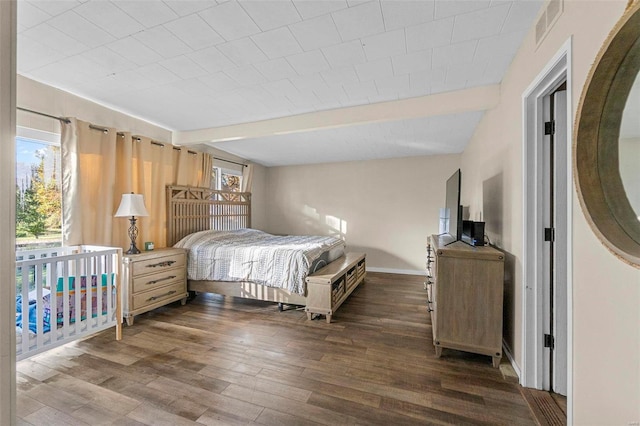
162	264
152	298
170	277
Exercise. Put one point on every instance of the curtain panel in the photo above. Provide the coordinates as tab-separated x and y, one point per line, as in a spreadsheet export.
88	180
247	177
98	167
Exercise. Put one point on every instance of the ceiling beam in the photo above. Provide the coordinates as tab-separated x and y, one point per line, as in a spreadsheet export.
474	99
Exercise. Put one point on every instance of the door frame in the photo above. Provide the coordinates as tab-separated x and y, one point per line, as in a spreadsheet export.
8	37
558	69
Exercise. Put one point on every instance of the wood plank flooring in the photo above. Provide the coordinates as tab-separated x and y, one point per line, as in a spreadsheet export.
225	361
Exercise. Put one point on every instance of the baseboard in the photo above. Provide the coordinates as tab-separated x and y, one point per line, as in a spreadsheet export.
395	271
507	352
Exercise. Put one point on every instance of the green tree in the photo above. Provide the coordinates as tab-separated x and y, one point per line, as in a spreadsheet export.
33	221
48	194
19	205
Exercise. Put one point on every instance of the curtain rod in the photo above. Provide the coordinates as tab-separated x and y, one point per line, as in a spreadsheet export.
229	161
65	120
104	129
162	144
91	126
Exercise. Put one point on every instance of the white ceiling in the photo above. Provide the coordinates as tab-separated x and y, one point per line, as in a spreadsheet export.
200	64
405	138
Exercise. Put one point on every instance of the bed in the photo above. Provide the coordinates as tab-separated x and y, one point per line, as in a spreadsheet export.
256	265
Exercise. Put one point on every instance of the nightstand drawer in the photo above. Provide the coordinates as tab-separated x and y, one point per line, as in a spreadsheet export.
158	279
158	264
147	298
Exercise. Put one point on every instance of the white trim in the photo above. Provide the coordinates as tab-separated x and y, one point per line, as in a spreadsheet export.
570	185
8	37
38	135
507	351
558	68
394	271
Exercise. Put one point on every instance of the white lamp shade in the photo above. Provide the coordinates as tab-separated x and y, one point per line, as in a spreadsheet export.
132	205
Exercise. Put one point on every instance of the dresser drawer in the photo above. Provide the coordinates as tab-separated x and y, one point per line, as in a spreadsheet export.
157	279
158	264
157	295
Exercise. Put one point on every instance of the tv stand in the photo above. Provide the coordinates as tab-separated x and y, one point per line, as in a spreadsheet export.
464	295
446	239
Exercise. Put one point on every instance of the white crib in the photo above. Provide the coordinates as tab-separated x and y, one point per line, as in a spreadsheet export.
65	293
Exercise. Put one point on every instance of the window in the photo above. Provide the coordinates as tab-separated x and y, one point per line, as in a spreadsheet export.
226	179
38	190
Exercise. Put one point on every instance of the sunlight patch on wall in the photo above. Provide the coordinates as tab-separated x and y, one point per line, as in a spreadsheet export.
337	224
310	212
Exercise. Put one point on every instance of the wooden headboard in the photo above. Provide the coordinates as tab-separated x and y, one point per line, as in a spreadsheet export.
192	209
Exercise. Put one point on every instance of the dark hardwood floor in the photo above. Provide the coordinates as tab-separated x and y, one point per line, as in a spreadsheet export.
220	361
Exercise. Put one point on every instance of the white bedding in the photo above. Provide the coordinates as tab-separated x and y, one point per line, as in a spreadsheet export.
255	256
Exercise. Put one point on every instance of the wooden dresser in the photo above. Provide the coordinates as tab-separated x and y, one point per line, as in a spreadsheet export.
152	279
464	291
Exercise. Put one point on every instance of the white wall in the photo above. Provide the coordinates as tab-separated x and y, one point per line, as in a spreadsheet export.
259	197
46	99
386	208
606	291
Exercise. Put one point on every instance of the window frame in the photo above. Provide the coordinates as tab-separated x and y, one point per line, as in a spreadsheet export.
219	171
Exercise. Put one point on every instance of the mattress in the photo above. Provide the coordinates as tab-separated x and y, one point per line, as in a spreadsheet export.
258	257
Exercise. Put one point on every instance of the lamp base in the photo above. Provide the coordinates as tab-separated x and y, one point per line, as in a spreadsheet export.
133	234
133	250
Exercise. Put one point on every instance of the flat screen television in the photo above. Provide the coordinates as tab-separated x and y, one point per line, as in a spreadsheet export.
452	204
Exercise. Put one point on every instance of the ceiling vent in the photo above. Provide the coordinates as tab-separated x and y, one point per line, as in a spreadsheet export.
550	14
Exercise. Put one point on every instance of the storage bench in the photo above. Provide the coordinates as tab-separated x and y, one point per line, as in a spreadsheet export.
331	285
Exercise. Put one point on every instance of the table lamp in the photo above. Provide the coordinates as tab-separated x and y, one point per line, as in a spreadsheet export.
132	205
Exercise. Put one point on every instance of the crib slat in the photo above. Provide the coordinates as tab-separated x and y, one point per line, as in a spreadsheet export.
38	275
99	271
55	268
65	298
25	309
77	294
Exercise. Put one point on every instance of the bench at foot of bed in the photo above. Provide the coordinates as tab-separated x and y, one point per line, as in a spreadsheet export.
331	285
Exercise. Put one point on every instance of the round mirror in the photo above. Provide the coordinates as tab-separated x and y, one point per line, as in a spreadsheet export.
607	144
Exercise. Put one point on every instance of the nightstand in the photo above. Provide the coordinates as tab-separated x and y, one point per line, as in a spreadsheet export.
152	279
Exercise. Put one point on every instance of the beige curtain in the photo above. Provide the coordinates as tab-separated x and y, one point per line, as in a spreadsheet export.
124	184
192	168
247	177
88	180
99	167
153	170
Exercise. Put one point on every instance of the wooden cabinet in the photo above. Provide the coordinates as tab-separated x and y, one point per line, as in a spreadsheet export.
464	290
331	285
153	279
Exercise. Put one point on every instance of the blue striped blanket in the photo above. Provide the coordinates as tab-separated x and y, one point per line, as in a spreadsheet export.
255	256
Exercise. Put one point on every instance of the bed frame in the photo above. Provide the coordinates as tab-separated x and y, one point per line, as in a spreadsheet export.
199	209
192	209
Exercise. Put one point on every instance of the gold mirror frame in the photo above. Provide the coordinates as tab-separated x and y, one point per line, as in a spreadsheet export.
599	115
